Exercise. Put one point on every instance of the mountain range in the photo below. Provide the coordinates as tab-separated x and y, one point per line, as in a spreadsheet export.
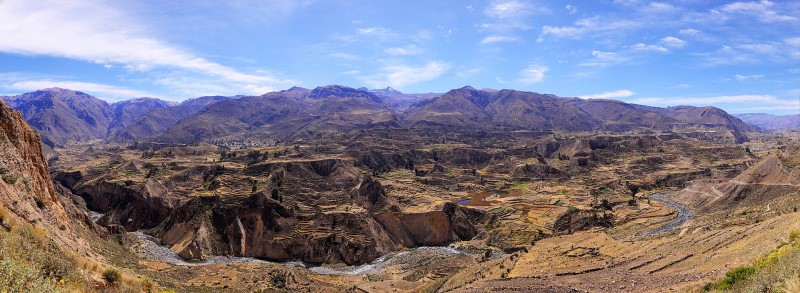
771	122
62	115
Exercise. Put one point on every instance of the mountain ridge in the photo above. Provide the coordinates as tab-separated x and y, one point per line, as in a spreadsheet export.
299	111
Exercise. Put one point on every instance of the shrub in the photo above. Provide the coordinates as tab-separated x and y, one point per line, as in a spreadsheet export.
34	263
734	276
5	219
39	202
794	235
9	180
17	276
112	276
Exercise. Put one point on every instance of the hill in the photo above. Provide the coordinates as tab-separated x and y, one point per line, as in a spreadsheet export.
771	122
62	115
127	112
156	122
289	113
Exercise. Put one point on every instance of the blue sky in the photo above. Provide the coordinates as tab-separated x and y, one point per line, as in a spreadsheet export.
740	56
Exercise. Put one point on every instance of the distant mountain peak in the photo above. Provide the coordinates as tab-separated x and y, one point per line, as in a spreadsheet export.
295	89
340	91
387	91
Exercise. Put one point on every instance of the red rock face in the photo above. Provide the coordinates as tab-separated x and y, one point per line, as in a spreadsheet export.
26	189
431	228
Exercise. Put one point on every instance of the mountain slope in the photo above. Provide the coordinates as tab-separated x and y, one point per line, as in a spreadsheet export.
290	113
156	122
508	108
707	116
771	122
620	116
127	112
62	115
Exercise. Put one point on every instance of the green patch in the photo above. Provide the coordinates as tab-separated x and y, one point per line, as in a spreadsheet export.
737	275
39	202
9	180
496	210
520	185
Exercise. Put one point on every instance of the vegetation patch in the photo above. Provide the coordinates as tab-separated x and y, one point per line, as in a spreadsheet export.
776	271
31	262
9	179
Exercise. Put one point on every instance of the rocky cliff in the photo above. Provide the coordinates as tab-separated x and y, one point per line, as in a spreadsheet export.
25	180
316	211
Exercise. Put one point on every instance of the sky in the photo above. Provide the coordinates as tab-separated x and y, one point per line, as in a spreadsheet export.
740	56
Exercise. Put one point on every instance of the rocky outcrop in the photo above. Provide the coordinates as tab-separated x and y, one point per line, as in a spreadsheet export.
133	207
574	220
453	223
258	226
25	189
316	211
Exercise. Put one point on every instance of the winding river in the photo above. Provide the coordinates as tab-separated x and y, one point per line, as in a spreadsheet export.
684	213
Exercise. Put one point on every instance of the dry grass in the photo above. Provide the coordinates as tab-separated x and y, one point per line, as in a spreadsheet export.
777	271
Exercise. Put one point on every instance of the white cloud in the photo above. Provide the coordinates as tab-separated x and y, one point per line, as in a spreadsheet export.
609	95
509	9
793	42
605	59
532	74
510	15
680	86
735	99
752	53
643	47
725	56
571	9
659	8
762	10
746	77
735	103
673	42
380	33
498	39
465	72
96	32
344	56
794	47
402	51
586	26
690	32
759	48
401	75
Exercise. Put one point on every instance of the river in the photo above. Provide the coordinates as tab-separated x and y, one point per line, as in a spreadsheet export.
684	213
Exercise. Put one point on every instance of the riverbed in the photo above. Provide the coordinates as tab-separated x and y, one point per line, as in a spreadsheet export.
684	213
